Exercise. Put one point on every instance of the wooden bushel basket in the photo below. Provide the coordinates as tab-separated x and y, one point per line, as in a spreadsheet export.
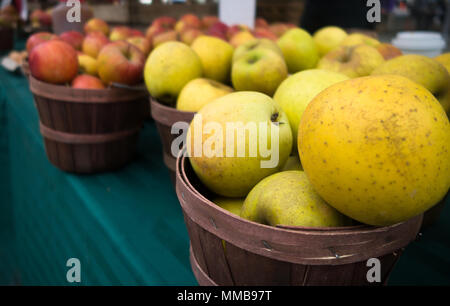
6	39
165	117
88	131
256	254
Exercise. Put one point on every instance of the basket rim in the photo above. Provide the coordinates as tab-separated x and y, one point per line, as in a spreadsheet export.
168	115
77	95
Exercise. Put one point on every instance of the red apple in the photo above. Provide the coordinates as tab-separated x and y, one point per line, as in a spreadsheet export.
39	38
264	33
188	21
40	18
261	23
121	62
136	33
73	38
155	30
86	81
189	35
119	33
218	27
141	43
164	37
54	61
167	22
93	43
209	21
96	25
234	29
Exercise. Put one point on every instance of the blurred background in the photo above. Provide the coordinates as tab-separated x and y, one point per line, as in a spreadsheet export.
397	15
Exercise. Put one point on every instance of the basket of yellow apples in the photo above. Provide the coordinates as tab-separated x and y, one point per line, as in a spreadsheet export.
342	216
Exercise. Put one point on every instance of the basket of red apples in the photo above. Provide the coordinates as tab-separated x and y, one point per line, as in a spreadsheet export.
88	95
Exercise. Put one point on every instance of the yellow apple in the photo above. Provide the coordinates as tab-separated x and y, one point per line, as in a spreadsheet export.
230	165
328	38
297	91
299	50
358	39
444	59
199	92
353	61
422	70
293	163
88	64
233	205
169	68
377	148
215	55
287	198
259	70
241	38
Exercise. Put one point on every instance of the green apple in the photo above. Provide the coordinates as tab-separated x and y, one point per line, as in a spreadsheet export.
423	70
256	44
287	198
233	205
199	92
169	68
353	61
293	163
328	38
299	50
260	70
233	168
295	93
215	55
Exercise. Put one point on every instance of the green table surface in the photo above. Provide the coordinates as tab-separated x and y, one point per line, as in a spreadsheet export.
125	227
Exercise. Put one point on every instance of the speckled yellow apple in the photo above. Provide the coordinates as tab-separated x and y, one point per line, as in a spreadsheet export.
169	68
215	55
299	50
353	61
295	93
227	172
377	148
328	38
260	70
287	198
422	70
256	44
199	92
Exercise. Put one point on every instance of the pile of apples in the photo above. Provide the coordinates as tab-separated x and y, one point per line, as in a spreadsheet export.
40	18
363	129
93	60
190	26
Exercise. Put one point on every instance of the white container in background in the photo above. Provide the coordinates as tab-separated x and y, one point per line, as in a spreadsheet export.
430	44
